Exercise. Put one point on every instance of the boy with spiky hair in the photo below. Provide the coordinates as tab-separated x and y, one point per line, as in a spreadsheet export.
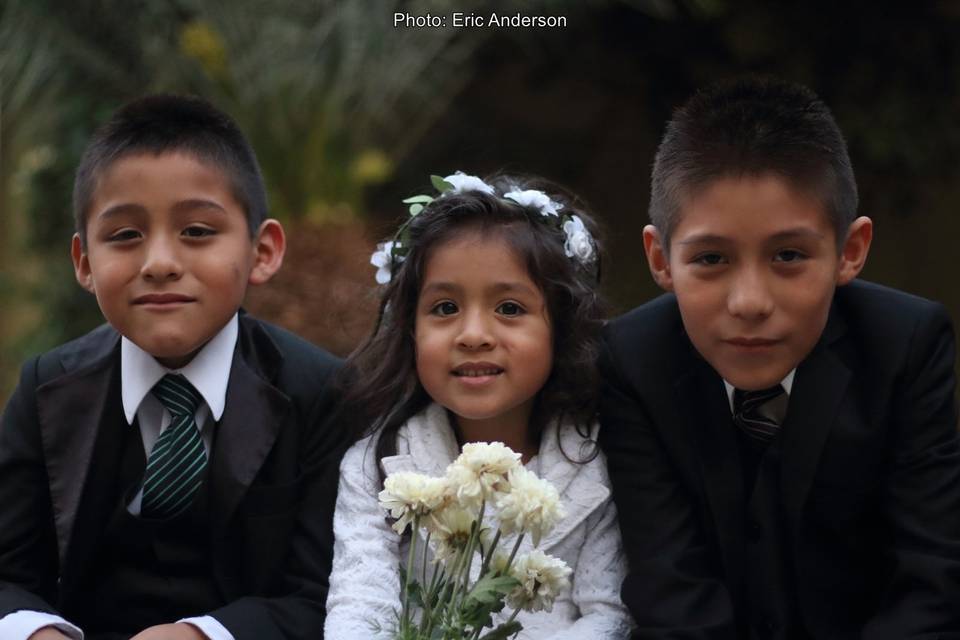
781	437
165	476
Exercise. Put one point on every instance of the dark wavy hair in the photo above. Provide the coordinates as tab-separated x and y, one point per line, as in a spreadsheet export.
380	383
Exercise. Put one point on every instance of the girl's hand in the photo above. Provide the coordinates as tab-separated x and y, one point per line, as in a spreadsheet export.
178	631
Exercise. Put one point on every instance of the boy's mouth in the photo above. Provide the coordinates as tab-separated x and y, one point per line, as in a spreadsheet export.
162	298
752	343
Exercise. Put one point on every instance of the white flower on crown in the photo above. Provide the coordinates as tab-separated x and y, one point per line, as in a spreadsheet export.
542	577
579	244
406	495
463	182
383	259
536	199
532	505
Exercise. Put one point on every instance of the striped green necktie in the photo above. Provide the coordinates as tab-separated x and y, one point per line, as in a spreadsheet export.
176	463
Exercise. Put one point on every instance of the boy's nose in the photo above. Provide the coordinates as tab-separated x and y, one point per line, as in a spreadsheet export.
161	261
749	297
475	332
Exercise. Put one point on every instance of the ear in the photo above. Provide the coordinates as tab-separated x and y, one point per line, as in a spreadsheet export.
269	245
657	258
81	264
853	253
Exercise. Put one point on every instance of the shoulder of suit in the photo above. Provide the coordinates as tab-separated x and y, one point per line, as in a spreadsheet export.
300	367
875	308
90	349
650	323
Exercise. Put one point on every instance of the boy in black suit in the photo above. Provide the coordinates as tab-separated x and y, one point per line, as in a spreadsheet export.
166	476
782	438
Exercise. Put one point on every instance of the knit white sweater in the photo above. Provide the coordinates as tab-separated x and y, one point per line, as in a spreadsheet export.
365	582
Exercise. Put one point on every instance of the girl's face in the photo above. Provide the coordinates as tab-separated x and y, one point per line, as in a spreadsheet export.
483	338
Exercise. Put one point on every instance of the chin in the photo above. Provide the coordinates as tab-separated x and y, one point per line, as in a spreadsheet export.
754	381
170	350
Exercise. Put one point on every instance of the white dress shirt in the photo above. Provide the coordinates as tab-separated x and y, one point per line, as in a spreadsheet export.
209	373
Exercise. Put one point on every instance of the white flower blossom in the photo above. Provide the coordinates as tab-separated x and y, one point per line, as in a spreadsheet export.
536	199
579	244
383	259
450	530
532	505
406	495
542	578
462	182
480	471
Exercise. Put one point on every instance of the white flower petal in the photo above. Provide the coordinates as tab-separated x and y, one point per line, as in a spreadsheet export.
462	182
536	199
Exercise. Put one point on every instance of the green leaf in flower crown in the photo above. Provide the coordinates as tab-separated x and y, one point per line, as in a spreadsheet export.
420	199
440	184
415	209
503	632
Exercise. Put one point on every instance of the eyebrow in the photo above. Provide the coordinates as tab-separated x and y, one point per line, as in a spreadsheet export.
184	206
787	234
498	287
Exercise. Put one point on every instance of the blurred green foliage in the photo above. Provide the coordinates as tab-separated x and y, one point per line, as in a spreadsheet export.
331	95
348	114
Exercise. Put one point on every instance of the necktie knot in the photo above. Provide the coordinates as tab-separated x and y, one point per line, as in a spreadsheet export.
177	394
748	413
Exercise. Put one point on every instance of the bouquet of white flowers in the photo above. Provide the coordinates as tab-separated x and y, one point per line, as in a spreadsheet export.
485	495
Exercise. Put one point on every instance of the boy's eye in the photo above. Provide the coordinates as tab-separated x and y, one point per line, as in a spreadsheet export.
510	309
709	259
196	231
445	308
789	255
123	234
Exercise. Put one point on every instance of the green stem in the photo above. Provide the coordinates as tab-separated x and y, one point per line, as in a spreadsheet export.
486	561
516	547
414	534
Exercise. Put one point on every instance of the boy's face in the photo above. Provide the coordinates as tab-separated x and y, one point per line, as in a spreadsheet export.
754	265
169	253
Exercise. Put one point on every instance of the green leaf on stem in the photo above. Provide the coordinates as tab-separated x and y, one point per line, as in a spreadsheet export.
503	632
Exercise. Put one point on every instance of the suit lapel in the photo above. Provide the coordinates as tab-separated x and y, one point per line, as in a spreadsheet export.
75	410
820	385
250	423
712	430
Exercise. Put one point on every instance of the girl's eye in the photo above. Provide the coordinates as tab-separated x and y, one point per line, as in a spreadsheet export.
510	309
445	308
197	231
789	255
709	259
123	234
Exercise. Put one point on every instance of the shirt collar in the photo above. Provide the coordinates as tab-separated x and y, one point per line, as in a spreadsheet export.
786	383
208	372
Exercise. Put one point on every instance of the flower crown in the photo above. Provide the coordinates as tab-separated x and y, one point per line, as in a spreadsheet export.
579	244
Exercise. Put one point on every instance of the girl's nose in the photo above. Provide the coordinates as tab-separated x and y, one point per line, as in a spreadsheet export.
475	332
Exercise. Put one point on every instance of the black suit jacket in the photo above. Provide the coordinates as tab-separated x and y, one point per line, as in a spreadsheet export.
272	479
870	474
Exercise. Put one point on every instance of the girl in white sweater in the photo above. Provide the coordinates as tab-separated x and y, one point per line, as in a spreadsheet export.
487	332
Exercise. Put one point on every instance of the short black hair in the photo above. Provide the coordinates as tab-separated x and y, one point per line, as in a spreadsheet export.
753	126
162	123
